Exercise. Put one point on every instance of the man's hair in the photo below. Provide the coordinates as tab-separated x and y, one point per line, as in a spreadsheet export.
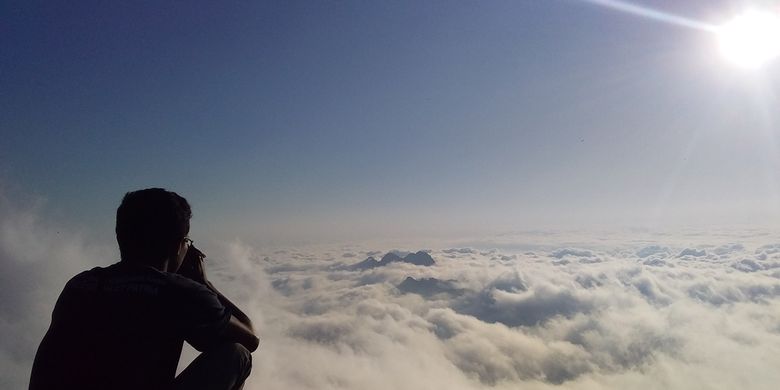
149	222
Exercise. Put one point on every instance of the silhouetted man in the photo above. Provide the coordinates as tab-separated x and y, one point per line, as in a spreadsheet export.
123	326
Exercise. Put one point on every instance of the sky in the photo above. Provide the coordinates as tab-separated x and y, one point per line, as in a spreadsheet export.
598	189
313	121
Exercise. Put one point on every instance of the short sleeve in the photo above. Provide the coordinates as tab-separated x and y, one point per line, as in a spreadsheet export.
70	302
199	315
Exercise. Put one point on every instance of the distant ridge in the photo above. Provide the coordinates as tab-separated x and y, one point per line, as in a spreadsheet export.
429	287
420	258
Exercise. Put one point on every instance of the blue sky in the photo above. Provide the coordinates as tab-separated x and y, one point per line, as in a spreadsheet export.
324	120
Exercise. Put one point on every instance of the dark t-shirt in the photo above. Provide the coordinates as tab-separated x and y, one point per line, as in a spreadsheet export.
123	327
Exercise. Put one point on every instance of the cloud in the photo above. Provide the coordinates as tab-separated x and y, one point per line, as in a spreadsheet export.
525	308
479	318
770	251
747	265
494	353
728	249
460	251
567	255
692	252
563	252
37	257
430	287
653	250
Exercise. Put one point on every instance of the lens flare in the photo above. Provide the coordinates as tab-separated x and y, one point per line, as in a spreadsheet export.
752	39
652	14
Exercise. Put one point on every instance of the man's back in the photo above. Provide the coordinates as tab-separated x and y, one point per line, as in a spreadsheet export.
123	326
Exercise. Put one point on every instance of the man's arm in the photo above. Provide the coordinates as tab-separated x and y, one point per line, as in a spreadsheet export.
239	329
240	326
240	316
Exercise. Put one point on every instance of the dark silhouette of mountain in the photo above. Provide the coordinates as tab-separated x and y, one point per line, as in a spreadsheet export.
368	263
429	286
419	258
390	257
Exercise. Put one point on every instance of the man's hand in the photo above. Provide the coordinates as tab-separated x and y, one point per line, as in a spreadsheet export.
192	265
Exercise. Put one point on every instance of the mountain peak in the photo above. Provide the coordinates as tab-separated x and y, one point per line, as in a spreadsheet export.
429	287
390	257
419	258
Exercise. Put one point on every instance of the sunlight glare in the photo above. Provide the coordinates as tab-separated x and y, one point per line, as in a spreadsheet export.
751	40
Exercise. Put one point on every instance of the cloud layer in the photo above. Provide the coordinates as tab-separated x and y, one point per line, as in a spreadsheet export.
658	312
653	314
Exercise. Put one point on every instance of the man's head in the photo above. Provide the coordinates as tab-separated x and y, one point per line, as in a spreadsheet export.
151	225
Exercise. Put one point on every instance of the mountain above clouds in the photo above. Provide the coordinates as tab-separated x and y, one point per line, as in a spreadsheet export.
429	287
419	258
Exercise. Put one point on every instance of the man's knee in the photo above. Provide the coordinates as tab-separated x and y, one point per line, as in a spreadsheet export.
237	357
240	356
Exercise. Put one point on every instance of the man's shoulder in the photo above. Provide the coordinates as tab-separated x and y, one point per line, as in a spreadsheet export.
120	274
88	279
126	277
98	272
181	281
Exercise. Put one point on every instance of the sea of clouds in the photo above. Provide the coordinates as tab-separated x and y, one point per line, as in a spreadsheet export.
537	310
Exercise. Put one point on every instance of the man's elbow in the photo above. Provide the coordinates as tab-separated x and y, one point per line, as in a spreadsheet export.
241	333
252	344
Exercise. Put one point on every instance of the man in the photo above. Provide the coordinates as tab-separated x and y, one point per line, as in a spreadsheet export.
123	326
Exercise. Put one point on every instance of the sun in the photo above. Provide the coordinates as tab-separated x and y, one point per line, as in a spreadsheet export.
751	40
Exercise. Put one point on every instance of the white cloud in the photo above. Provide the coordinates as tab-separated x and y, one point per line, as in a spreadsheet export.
37	257
640	317
524	320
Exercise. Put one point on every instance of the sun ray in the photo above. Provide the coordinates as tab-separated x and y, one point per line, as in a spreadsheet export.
654	14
